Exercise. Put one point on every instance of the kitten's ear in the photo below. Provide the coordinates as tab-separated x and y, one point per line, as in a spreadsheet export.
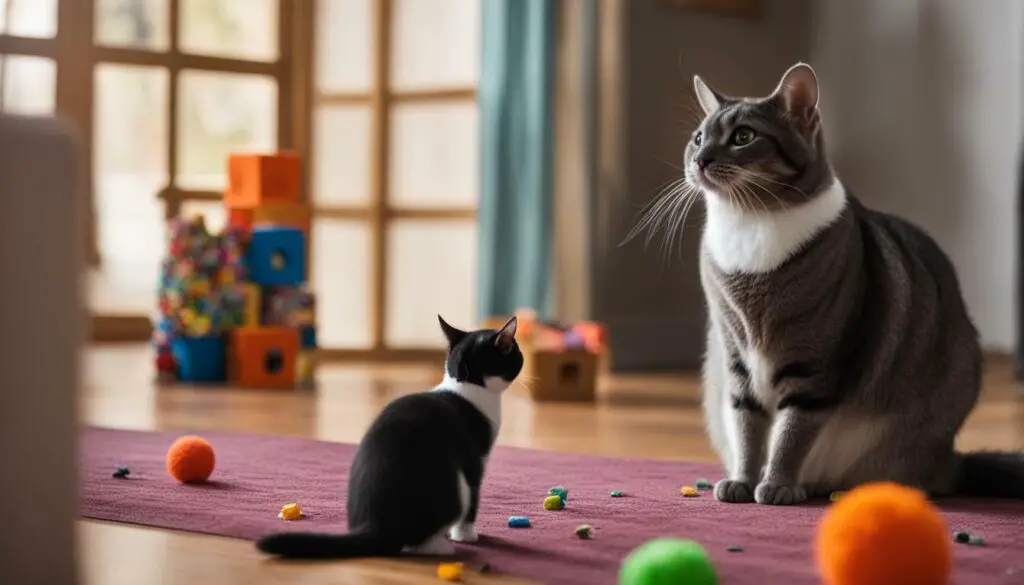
709	99
798	91
506	338
453	334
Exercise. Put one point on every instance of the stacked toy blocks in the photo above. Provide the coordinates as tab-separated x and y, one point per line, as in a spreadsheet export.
561	362
268	339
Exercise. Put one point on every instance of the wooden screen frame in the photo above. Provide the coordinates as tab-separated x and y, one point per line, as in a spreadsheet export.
378	211
76	56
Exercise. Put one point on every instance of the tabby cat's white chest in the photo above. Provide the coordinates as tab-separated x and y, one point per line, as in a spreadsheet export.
758	242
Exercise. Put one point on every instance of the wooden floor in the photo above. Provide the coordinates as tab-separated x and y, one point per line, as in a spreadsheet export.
647	416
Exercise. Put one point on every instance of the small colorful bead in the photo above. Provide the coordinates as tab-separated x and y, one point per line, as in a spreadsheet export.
518	522
449	571
976	541
560	492
734	549
121	472
961	537
689	491
703	484
584	531
617	494
290	512
554	503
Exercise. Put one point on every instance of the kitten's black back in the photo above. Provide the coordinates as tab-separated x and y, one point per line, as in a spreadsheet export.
419	467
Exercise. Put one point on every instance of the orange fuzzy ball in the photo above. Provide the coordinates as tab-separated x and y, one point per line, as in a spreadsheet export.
884	534
190	459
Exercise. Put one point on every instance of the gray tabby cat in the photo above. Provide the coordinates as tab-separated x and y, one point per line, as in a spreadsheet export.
839	349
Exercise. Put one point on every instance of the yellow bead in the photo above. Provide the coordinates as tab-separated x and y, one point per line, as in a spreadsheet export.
689	491
290	512
449	571
553	503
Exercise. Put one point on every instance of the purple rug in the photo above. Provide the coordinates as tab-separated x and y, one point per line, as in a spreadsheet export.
256	475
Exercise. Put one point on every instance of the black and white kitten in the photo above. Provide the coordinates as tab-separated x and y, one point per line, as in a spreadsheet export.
415	480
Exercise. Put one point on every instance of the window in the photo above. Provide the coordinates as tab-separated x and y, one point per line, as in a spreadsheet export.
394	172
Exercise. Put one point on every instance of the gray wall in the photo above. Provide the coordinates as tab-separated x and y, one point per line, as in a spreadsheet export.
922	103
654	307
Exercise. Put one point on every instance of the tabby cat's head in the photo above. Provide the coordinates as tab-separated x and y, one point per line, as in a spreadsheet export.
764	153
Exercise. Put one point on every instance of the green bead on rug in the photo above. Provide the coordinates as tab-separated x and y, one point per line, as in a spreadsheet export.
668	561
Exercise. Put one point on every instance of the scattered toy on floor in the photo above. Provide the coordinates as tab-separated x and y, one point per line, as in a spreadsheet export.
559	491
450	571
554	503
962	537
703	484
617	494
291	512
668	561
518	522
734	549
121	472
883	534
190	459
584	531
976	540
689	491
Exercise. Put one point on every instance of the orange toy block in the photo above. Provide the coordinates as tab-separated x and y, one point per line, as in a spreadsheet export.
240	218
265	357
294	215
258	179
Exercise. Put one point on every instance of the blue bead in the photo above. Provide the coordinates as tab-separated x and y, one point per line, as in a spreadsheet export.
518	522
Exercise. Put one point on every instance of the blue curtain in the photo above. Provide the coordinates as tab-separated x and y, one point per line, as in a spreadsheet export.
516	99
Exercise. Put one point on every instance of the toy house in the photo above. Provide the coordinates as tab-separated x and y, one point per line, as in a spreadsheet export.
235	307
561	362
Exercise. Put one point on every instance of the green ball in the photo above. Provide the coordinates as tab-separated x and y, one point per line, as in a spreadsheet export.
668	561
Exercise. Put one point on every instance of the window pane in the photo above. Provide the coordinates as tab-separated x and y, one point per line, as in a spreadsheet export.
341	173
343	45
431	270
239	29
28	18
140	24
436	44
341	279
434	152
220	114
215	215
130	164
30	85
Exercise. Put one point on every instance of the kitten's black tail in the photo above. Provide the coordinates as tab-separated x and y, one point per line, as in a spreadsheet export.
991	474
313	545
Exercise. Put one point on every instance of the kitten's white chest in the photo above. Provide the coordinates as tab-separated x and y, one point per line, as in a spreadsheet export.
761	370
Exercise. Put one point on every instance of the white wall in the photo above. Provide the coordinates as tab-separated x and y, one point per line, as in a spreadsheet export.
922	101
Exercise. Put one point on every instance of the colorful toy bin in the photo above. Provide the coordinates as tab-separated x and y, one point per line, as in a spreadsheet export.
234	307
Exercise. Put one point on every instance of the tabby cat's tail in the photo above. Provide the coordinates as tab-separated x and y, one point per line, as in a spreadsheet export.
991	474
313	545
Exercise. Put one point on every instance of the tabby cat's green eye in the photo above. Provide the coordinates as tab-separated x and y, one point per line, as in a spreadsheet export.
742	136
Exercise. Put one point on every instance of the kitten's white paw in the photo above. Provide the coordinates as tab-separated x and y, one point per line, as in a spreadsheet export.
437	545
775	494
733	491
464	533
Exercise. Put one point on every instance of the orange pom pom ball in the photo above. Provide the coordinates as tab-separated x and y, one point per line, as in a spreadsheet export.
190	459
884	534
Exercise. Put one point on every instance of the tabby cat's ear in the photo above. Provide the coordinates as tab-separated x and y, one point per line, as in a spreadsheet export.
453	334
506	338
798	91
709	99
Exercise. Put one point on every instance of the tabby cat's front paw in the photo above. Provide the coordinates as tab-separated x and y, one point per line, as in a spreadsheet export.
734	492
775	494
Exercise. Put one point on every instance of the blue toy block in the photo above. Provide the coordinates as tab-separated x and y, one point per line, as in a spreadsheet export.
201	359
307	337
277	256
